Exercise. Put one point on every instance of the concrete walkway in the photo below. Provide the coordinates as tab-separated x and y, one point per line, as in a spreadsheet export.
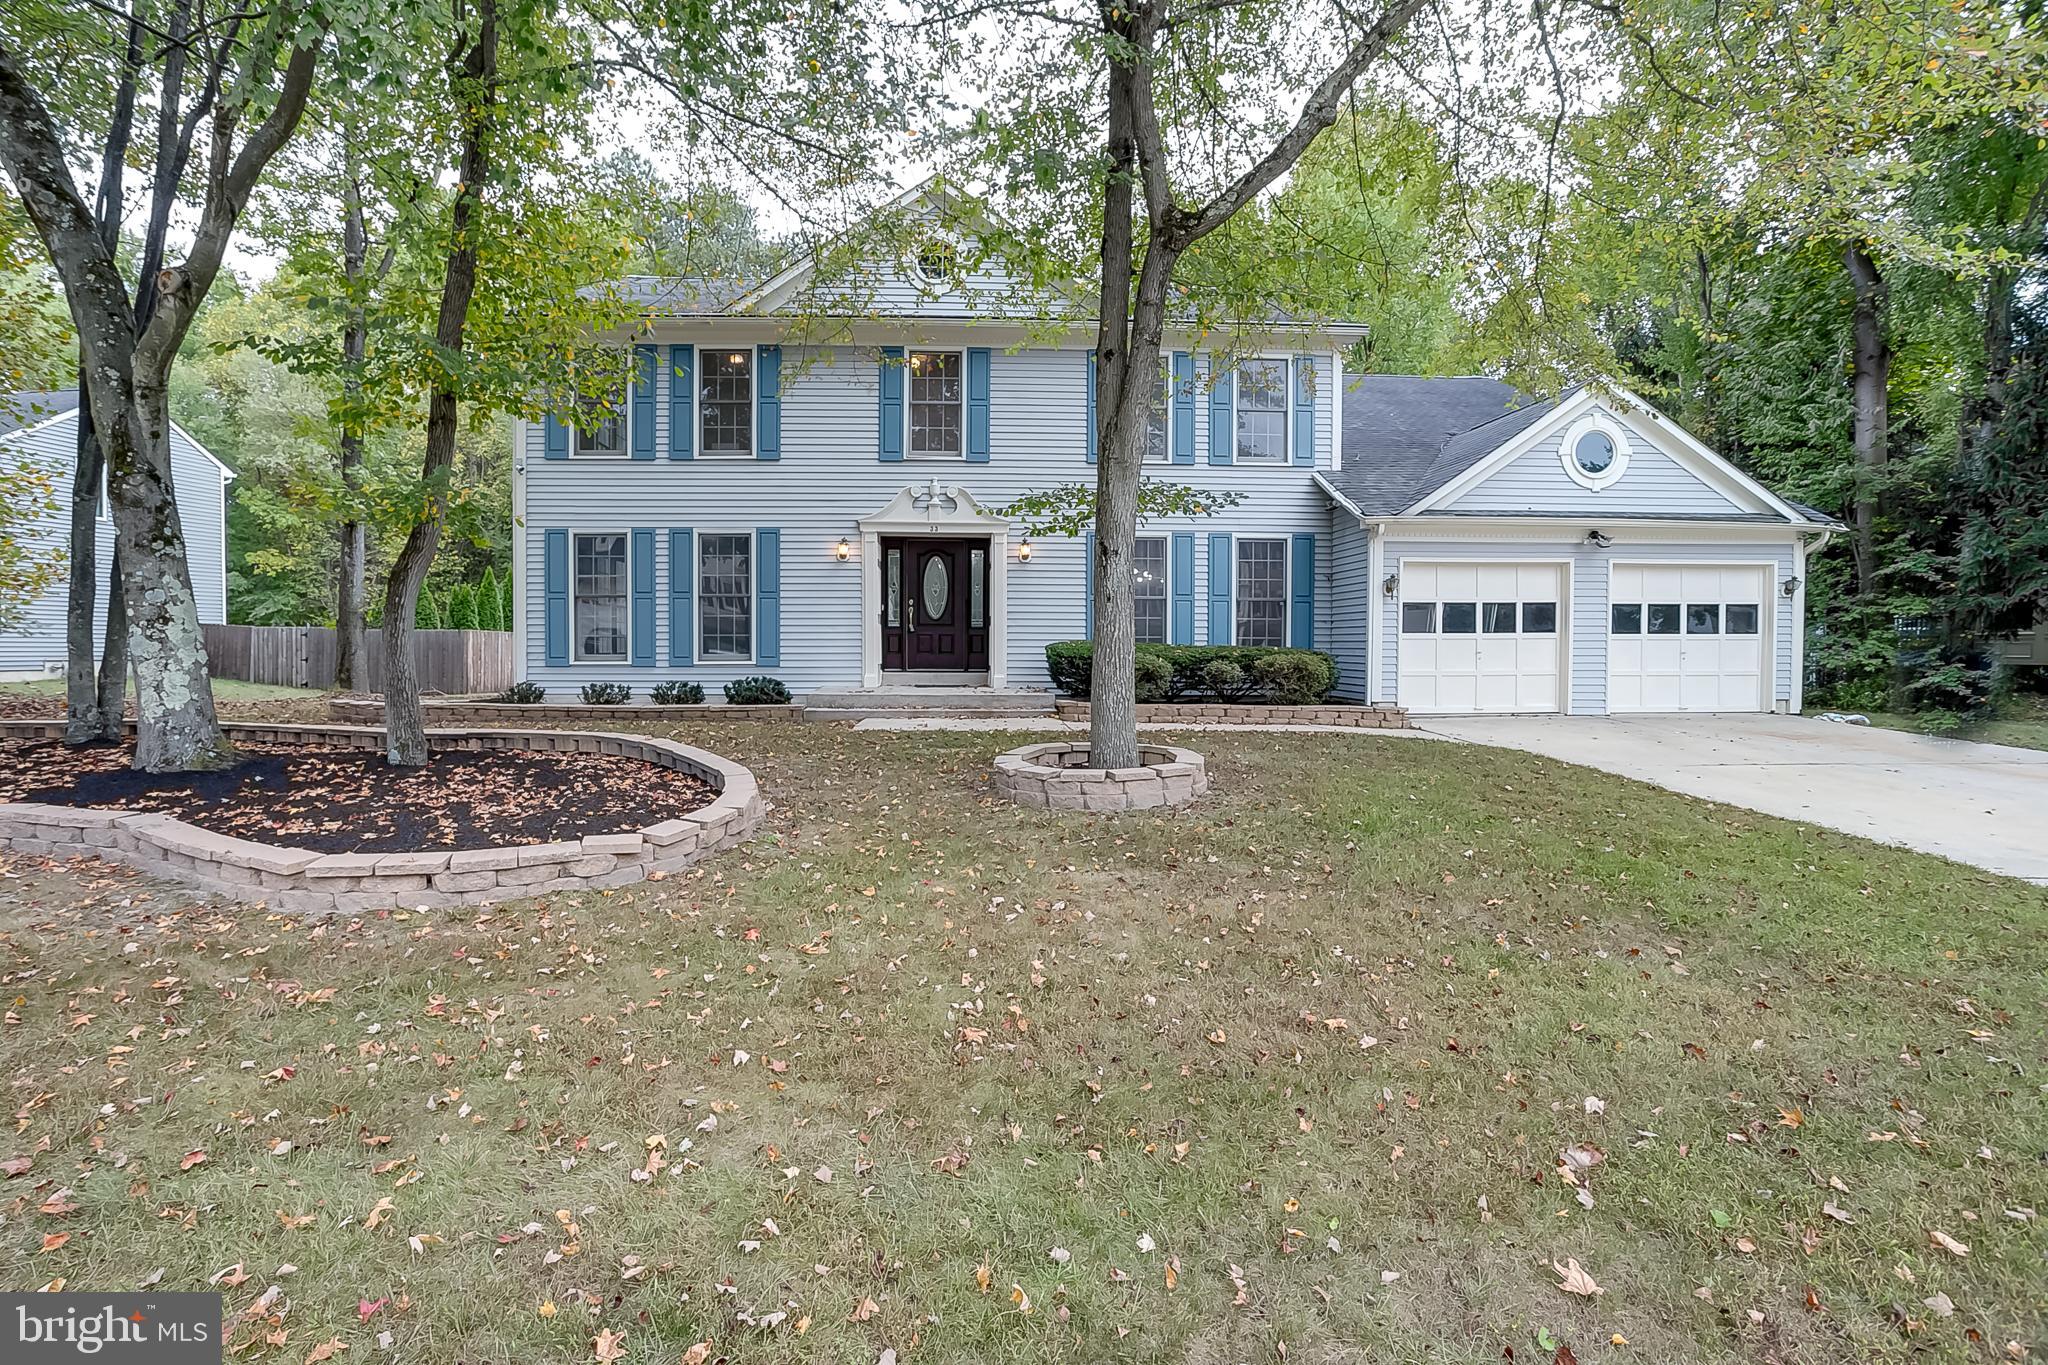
1049	725
1984	804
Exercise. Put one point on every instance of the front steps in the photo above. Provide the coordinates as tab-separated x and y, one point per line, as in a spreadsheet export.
917	703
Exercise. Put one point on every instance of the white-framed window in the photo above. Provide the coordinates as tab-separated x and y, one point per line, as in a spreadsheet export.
600	626
1259	607
725	596
725	400
1150	586
601	425
1159	419
1264	400
937	406
1595	451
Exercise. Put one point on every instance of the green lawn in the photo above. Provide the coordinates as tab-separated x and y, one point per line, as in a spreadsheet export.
1286	1075
224	690
2022	723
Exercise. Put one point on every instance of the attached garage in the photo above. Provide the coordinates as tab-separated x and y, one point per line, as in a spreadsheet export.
1688	637
1482	636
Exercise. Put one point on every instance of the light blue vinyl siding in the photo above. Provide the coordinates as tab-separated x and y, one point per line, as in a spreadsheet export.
1352	593
1588	609
829	478
38	641
1654	484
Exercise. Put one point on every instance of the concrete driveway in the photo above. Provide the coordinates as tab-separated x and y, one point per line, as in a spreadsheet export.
1984	804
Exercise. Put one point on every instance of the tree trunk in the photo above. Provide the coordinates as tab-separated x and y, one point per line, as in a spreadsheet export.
112	699
1871	361
81	607
473	87
348	596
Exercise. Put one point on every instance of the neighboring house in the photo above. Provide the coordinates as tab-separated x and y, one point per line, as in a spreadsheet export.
43	427
764	502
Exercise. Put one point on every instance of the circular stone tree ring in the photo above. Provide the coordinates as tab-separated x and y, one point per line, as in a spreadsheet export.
1057	776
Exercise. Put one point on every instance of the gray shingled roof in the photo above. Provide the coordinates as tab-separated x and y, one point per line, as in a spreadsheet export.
31	406
1399	429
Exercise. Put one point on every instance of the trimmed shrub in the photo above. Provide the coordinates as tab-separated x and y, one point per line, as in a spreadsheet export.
1248	673
1299	677
1155	677
678	694
756	691
523	694
606	694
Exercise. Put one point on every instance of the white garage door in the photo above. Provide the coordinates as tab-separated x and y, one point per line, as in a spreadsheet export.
1688	637
1481	637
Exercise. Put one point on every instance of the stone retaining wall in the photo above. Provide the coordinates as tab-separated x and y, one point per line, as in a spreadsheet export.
302	881
1055	776
358	711
1245	713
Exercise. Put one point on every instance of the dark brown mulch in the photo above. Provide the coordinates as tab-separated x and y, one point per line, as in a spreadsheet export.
350	801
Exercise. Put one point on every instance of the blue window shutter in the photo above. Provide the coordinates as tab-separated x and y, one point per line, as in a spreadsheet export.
555	596
978	361
1301	607
1088	572
682	422
1183	408
643	598
1305	409
768	597
1091	417
1181	629
682	583
891	446
557	445
1222	413
1220	560
644	369
768	404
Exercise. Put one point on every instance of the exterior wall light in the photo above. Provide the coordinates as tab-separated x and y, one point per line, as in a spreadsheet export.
1391	584
1599	540
1789	587
1024	551
844	551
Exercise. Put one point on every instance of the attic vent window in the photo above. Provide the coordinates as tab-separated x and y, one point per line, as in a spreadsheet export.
935	263
1595	451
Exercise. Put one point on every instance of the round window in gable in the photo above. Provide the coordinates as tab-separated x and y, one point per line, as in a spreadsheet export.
935	263
1594	452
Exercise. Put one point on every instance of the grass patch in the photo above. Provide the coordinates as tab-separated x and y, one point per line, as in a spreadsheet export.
224	690
909	1036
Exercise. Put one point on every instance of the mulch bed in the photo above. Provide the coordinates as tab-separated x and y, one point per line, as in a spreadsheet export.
349	801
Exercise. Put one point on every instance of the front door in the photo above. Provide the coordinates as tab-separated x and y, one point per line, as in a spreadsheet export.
935	605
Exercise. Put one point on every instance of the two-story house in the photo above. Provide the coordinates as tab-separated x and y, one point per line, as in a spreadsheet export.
830	514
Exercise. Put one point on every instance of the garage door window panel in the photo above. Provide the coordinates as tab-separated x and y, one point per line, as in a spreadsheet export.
1743	618
1628	618
1663	618
1499	618
1461	618
1539	618
1703	618
1418	618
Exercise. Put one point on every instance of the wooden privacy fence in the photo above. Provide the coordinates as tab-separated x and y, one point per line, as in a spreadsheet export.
450	661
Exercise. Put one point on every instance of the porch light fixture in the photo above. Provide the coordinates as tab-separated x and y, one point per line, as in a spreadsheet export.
1024	551
844	551
1391	584
1599	540
1789	586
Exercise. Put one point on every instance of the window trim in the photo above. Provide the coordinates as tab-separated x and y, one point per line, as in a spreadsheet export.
1166	413
1286	543
1567	451
1286	459
699	537
625	450
576	658
1166	539
936	456
698	448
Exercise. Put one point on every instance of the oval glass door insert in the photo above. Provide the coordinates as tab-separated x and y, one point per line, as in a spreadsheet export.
937	587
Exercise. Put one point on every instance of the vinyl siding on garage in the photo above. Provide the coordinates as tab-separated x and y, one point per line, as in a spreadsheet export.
1589	599
1654	484
829	477
38	642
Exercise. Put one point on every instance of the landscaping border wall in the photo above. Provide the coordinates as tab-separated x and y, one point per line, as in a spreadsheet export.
467	711
1056	776
301	881
1250	713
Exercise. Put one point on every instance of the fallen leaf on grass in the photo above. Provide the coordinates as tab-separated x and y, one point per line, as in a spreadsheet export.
1575	1280
369	1308
326	1350
1020	1298
697	1354
984	1275
1940	1305
191	1159
1948	1244
864	1310
55	1240
609	1345
378	1214
16	1165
